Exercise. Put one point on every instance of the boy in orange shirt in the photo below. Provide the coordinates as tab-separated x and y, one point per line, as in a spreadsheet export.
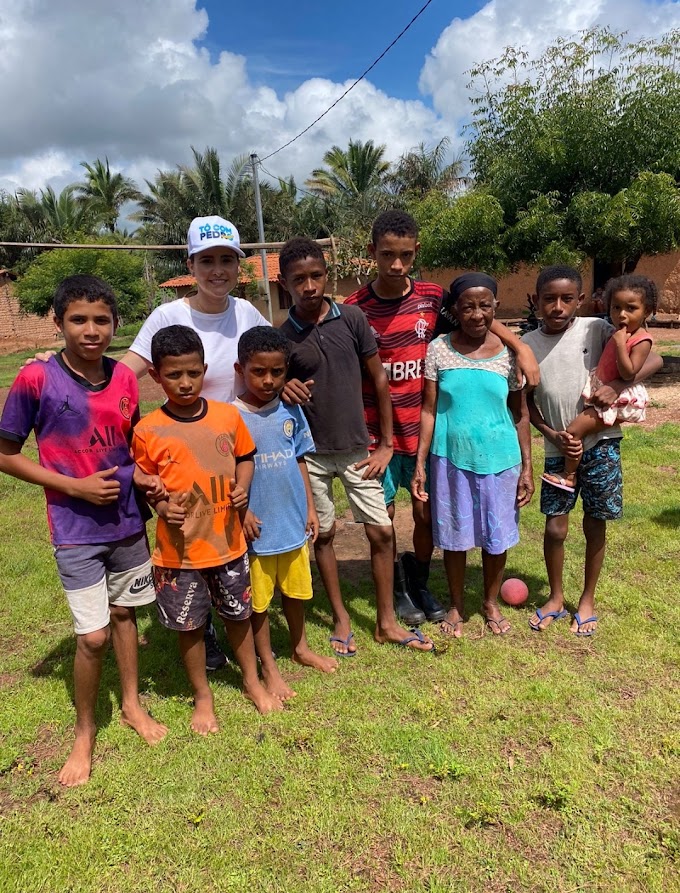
204	455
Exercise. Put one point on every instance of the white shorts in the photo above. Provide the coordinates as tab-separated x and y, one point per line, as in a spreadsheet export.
97	575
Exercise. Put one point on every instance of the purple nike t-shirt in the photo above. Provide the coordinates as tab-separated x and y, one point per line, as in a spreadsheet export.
80	429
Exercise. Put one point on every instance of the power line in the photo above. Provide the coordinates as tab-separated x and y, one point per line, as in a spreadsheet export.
358	80
274	177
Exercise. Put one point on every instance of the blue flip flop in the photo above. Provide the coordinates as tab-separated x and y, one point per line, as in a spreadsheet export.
416	636
344	642
580	623
556	615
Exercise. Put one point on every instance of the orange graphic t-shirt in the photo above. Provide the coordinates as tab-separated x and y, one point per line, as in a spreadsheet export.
197	456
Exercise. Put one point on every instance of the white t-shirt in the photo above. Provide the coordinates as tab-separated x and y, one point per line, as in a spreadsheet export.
219	333
566	361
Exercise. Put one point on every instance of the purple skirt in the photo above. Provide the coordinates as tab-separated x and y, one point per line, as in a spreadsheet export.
473	510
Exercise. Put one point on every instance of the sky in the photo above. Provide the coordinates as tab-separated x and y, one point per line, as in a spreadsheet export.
141	81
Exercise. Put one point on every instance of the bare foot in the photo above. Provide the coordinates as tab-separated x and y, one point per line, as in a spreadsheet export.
342	640
308	658
263	700
553	606
452	624
76	770
145	726
398	636
276	685
203	719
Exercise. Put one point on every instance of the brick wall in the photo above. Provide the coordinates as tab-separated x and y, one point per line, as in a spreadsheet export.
664	269
19	329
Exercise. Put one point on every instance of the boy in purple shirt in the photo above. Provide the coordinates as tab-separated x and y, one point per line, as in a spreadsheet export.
82	407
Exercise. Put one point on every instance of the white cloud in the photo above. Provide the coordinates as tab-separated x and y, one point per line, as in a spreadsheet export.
532	24
130	80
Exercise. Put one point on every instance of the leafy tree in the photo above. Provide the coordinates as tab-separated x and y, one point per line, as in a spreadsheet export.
463	232
585	129
104	193
123	270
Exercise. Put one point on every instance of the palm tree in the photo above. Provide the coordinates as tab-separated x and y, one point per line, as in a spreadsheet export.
105	192
198	190
350	172
52	217
422	170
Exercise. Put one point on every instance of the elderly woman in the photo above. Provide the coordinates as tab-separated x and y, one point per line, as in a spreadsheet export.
475	427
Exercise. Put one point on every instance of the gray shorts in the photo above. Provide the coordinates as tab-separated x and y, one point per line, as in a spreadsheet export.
184	595
97	575
366	498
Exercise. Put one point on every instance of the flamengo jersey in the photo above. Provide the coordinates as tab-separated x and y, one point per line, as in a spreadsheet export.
403	328
80	429
196	456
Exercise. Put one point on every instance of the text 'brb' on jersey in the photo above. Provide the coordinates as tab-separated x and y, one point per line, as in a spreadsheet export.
403	328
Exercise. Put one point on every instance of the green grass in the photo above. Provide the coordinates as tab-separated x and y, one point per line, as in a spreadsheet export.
529	763
667	348
11	363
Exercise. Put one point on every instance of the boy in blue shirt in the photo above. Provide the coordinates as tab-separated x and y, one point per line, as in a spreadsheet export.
281	515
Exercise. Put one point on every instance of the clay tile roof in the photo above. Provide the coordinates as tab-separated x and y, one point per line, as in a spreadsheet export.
179	282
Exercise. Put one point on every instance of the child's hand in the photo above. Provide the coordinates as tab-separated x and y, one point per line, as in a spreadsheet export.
418	490
239	496
375	463
312	528
604	397
99	488
173	509
296	391
251	526
620	336
150	485
525	488
569	445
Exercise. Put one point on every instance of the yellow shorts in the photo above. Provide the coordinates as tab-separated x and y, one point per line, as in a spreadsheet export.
290	571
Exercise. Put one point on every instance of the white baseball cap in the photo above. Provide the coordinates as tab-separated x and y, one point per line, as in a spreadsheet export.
212	232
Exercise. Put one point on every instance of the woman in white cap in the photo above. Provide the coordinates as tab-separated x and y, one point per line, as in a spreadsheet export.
217	316
219	319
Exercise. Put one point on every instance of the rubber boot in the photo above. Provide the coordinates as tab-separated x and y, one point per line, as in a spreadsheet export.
417	574
403	606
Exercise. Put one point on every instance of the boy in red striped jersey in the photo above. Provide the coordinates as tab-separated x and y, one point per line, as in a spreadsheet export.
403	314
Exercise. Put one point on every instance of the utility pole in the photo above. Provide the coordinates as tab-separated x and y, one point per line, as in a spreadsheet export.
255	161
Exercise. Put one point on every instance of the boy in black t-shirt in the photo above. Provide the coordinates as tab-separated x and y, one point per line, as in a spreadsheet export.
330	345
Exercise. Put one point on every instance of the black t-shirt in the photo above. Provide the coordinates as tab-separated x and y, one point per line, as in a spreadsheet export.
332	352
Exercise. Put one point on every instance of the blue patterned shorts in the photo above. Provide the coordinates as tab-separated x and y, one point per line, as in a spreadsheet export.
599	480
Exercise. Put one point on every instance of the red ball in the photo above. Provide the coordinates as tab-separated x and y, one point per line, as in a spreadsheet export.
514	591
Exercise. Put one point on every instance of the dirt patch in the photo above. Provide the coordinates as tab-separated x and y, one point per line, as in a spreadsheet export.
664	397
8	680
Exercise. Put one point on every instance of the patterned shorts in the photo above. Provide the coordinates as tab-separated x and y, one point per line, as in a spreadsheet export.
599	480
184	596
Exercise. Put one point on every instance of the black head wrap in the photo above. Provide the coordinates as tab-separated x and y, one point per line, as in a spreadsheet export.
447	321
472	280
